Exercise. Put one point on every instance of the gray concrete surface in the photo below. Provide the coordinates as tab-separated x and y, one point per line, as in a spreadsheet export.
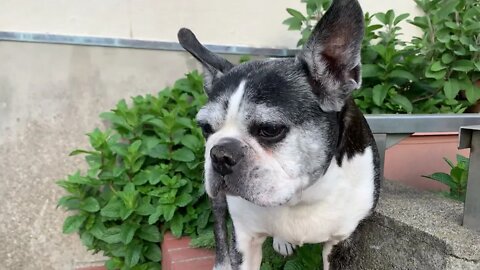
416	230
50	96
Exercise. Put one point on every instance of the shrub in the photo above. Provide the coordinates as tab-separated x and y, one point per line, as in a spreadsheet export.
145	176
430	74
450	46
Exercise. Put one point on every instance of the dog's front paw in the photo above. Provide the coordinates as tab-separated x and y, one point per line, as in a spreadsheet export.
283	247
224	266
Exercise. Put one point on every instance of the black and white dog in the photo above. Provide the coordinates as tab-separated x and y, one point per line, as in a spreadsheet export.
288	153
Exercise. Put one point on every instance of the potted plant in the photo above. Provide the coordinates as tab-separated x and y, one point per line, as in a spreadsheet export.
144	177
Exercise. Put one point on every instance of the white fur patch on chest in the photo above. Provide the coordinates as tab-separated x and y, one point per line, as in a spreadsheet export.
328	210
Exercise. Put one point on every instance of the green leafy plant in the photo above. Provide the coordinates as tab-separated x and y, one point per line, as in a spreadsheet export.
305	22
456	180
431	74
386	70
451	48
145	176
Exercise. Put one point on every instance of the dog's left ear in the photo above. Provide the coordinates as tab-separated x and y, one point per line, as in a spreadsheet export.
332	54
214	65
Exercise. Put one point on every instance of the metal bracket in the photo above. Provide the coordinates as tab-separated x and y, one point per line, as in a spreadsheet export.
469	137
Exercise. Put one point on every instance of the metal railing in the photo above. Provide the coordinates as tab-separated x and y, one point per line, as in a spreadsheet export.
390	129
138	44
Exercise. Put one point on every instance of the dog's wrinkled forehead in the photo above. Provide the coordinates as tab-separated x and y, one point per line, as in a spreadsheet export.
263	91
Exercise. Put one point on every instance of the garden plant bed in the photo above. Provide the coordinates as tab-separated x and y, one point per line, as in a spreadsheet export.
178	255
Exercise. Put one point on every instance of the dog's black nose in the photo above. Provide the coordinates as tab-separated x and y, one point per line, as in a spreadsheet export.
226	154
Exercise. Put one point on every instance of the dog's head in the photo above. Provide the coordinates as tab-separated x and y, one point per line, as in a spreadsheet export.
271	126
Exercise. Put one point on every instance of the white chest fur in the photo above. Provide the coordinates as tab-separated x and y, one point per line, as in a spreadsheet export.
328	210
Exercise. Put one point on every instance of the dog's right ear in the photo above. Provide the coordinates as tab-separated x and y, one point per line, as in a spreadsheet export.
214	65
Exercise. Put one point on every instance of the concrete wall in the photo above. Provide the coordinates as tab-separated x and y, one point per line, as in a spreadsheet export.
248	22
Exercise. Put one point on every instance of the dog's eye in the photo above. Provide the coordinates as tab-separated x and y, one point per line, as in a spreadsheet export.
271	133
207	129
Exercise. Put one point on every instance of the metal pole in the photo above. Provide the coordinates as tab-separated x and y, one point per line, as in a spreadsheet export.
381	140
471	215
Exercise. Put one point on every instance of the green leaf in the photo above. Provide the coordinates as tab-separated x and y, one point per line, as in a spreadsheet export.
90	204
463	65
133	252
145	208
435	75
70	202
371	70
191	142
81	151
112	209
168	211
113	264
73	223
400	18
134	147
442	178
127	232
119	149
381	17
293	23
157	123
399	73
183	154
184	122
87	239
97	138
153	218
449	162
472	93
379	93
112	235
155	175
117	121
141	178
403	102
447	58
183	199
153	252
447	8
159	151
451	88
176	225
296	14
462	159
149	233
437	66
294	265
129	195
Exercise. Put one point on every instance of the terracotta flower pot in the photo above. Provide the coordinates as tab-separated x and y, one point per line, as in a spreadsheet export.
422	154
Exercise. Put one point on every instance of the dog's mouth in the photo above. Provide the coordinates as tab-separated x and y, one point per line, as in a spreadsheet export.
223	186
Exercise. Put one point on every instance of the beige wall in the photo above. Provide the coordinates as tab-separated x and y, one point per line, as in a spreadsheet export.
50	96
248	22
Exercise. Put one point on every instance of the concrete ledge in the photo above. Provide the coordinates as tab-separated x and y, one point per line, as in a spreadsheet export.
414	229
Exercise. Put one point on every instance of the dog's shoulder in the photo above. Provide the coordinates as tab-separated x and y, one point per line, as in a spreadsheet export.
355	135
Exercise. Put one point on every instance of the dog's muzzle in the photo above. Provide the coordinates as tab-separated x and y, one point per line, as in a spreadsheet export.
225	155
